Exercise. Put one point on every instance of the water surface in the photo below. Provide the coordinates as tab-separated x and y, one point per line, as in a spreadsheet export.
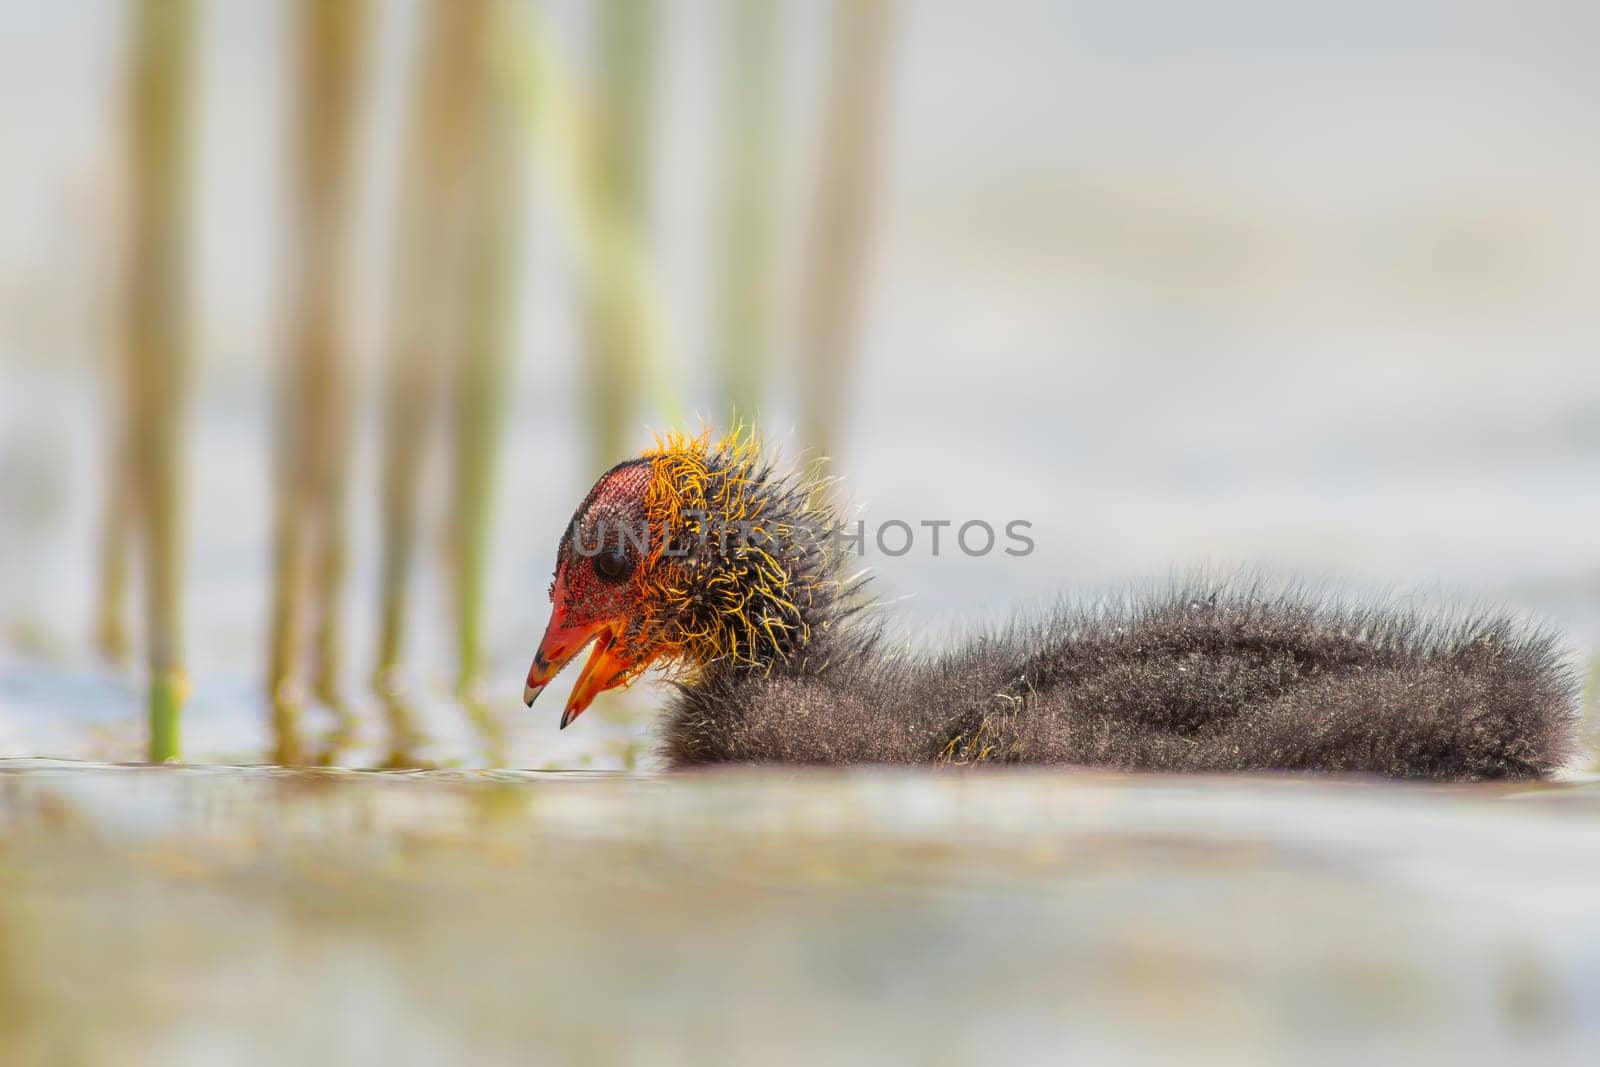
201	915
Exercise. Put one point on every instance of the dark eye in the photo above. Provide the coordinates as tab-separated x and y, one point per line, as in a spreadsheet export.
612	565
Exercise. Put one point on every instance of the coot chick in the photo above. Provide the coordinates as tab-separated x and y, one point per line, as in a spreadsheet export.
704	558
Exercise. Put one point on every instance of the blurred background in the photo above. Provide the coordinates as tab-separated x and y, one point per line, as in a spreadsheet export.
318	318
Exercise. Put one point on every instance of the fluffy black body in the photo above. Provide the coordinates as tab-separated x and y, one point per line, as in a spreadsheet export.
1209	678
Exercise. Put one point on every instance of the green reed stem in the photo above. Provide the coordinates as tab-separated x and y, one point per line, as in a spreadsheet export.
433	201
162	32
480	391
618	176
313	439
560	130
748	201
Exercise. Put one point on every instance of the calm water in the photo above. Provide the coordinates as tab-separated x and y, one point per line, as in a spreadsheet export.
170	916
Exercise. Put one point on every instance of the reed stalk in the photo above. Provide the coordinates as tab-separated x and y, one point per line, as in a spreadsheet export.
432	203
334	34
831	300
156	338
482	367
313	438
560	127
748	202
328	580
617	187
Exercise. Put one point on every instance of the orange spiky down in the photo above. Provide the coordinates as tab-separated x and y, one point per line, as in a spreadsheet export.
748	568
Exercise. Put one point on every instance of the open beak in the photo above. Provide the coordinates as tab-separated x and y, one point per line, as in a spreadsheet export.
562	642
